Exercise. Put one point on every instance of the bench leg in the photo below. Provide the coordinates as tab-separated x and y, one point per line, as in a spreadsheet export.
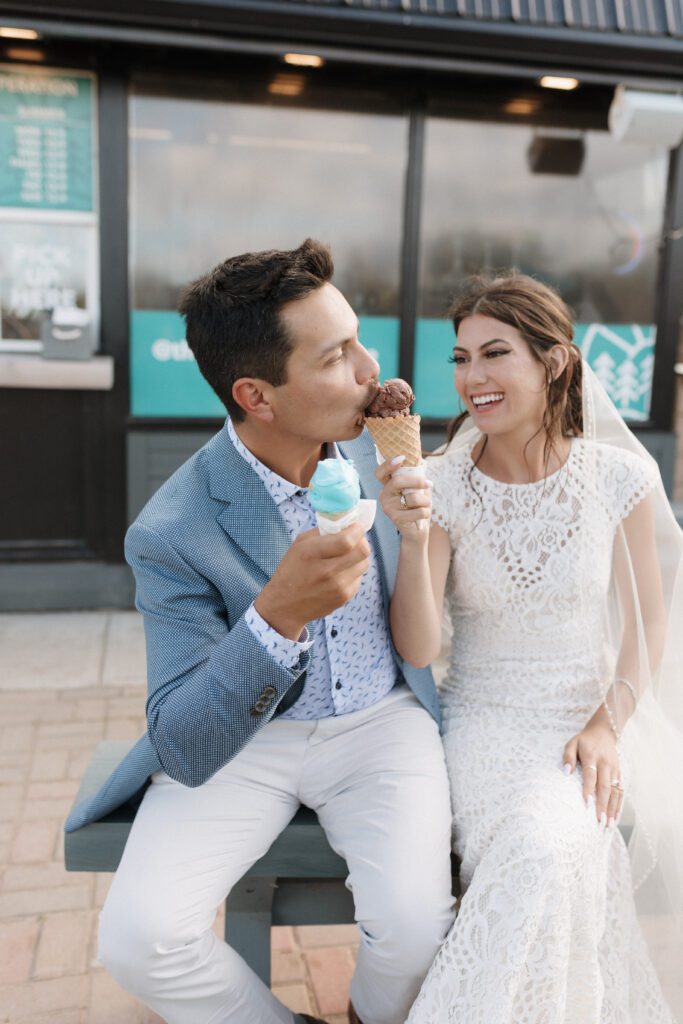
248	919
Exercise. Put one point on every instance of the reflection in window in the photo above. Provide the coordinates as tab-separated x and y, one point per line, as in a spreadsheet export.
239	177
43	265
593	236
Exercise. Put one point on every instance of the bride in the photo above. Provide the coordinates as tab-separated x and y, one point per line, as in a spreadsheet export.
555	551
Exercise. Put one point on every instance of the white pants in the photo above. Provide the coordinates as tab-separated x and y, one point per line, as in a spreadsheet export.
377	780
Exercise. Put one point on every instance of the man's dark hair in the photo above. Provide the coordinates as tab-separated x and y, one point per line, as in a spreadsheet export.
233	317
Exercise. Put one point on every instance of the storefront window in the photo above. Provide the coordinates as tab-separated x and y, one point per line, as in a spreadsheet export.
240	177
48	211
594	236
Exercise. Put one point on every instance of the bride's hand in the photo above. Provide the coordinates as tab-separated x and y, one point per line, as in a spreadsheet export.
406	501
595	749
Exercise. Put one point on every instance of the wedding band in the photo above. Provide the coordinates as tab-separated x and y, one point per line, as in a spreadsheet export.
591	766
402	501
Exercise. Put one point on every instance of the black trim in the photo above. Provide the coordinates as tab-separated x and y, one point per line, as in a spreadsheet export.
46	551
669	308
412	208
418	35
109	503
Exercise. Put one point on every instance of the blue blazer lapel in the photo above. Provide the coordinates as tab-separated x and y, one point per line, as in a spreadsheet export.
250	516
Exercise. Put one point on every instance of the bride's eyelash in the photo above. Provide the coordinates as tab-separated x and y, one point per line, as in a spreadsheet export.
491	352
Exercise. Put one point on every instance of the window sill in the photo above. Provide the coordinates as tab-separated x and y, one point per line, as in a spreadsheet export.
32	371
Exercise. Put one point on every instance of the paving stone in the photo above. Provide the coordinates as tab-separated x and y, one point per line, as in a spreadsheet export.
331	969
16	737
63	945
78	762
127	707
44	901
61	1017
313	935
23	1001
82	742
34	842
49	767
52	790
109	1004
47	809
124	729
287	967
67	730
51	651
17	941
11	774
39	876
10	802
125	662
296	997
88	710
103	882
282	937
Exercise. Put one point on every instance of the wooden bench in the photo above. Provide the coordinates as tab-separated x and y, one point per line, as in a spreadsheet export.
299	881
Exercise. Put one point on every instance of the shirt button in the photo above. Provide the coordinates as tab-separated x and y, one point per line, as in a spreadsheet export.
338	685
333	632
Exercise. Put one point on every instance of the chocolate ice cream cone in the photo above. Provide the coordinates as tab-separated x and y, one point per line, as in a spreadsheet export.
397	435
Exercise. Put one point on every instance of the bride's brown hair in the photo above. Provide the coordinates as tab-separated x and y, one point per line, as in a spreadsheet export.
544	321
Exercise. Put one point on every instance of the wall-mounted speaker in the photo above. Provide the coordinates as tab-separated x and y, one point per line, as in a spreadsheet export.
654	118
556	154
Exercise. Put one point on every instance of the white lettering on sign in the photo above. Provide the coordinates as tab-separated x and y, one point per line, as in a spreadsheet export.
24	301
41	278
39	85
164	350
58	256
43	113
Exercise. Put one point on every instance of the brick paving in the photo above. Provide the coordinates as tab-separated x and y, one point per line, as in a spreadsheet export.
49	972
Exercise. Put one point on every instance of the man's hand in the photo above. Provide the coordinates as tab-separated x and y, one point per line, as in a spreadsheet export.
317	575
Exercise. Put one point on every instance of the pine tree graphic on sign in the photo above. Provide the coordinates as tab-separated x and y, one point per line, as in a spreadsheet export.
604	371
626	390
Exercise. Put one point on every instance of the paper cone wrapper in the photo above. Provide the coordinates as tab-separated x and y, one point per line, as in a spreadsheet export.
364	513
397	435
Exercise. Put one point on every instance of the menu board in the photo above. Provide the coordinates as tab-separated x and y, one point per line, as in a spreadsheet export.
46	139
49	227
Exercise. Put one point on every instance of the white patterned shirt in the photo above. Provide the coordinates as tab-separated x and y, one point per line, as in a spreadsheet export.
352	664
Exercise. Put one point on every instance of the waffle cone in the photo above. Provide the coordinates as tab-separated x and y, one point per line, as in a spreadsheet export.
399	435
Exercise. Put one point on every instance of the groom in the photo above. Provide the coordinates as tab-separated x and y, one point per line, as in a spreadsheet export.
273	680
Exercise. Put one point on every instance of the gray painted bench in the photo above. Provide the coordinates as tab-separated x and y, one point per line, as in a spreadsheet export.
299	881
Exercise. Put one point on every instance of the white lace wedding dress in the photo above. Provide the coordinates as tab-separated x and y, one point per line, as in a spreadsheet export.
546	932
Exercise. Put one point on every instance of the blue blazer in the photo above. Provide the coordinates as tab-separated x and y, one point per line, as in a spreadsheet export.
202	549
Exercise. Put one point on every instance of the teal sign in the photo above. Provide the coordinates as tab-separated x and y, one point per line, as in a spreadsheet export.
46	139
165	380
622	356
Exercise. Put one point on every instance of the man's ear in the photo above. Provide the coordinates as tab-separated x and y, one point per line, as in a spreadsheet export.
253	395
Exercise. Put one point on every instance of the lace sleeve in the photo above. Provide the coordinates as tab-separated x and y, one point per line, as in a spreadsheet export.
627	480
442	470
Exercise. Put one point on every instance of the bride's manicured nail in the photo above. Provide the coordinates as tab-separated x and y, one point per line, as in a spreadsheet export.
567	769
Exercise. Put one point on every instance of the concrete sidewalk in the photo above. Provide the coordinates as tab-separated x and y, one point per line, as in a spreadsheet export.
67	681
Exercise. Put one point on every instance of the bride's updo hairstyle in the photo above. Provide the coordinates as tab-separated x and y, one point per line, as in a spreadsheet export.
544	321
